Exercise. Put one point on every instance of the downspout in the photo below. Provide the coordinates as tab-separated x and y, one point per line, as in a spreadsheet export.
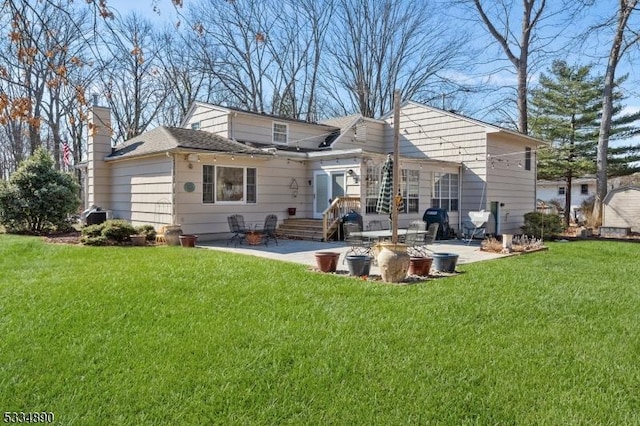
174	213
461	170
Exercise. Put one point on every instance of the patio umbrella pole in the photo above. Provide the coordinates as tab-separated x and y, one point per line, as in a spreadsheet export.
396	165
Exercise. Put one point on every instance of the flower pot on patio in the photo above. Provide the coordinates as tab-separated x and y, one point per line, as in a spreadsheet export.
291	211
188	240
172	235
393	261
420	266
327	261
138	239
445	262
359	265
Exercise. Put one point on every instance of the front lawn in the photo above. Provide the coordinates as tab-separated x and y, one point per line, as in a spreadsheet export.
165	335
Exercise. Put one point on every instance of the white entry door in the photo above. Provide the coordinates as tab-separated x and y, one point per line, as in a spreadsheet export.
327	186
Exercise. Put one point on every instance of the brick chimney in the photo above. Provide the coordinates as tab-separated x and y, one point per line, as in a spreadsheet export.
98	147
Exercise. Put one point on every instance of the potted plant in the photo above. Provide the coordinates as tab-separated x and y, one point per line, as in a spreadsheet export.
359	265
445	262
327	261
138	239
420	265
188	240
393	261
291	211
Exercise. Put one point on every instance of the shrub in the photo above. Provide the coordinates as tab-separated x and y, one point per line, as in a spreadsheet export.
542	225
92	230
94	241
117	230
38	198
147	230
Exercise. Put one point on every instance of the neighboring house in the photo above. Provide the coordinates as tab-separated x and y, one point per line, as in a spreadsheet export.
622	208
582	188
224	161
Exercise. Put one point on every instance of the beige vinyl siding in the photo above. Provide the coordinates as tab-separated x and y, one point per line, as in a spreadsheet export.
253	128
622	208
509	183
211	120
141	190
370	139
274	195
436	135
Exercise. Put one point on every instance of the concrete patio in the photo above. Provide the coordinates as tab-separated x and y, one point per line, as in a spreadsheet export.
303	252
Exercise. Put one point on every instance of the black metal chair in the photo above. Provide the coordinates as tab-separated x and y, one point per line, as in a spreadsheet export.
269	231
358	245
237	228
415	239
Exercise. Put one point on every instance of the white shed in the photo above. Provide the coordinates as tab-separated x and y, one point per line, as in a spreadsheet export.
622	208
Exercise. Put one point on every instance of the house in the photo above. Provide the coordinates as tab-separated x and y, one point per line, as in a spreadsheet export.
622	209
224	160
554	191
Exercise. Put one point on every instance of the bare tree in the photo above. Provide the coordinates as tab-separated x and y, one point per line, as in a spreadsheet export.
131	77
526	42
624	37
384	45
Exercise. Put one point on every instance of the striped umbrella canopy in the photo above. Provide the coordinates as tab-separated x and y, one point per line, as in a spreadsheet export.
383	206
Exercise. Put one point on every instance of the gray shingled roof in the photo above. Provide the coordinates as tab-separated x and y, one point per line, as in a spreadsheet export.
163	139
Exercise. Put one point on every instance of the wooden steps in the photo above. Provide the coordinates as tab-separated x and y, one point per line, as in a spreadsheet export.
300	229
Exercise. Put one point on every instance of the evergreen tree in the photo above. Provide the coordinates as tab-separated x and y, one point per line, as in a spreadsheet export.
566	112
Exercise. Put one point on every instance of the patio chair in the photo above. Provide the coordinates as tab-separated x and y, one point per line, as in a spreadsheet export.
236	227
431	235
415	239
269	231
358	245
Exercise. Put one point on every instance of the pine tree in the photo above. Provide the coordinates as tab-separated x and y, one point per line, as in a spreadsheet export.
566	112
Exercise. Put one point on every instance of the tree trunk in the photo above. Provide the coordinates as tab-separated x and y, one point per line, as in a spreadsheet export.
626	8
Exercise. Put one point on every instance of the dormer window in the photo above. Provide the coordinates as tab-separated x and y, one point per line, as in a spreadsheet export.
280	133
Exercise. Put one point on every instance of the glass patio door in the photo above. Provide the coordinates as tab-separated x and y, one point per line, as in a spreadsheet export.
327	186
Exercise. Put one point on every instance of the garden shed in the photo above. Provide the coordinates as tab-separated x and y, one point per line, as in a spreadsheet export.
622	208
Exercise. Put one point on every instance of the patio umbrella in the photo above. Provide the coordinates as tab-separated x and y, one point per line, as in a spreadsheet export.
383	205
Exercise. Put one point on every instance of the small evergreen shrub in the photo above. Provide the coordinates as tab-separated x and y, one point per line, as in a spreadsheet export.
147	230
117	230
92	230
37	198
542	225
94	241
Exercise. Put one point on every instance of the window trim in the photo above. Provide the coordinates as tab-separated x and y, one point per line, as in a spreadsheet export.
450	195
562	190
584	189
527	158
196	125
285	133
250	189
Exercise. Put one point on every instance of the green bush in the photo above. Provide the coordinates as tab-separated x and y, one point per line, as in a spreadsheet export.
94	241
38	198
113	231
147	230
542	225
117	230
92	230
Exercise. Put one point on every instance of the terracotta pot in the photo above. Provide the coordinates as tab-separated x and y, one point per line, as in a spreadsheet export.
138	240
359	265
188	240
327	261
420	266
172	235
445	262
393	262
253	238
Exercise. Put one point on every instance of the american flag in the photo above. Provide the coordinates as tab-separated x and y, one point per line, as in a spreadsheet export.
66	154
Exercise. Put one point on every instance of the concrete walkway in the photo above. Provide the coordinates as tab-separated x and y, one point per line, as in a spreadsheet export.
299	251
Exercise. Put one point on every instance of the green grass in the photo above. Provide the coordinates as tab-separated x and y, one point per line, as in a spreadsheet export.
128	335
